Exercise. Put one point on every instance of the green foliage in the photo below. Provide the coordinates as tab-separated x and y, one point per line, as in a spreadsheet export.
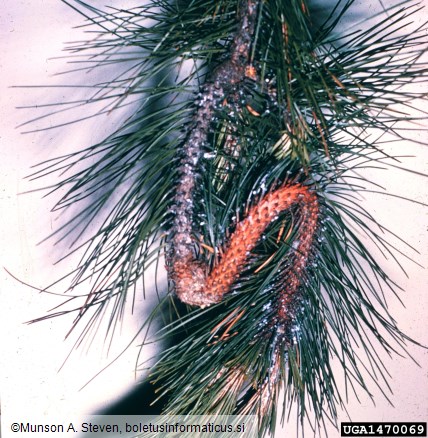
308	116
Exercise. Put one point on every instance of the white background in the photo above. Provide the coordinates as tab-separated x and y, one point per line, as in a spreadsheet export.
31	34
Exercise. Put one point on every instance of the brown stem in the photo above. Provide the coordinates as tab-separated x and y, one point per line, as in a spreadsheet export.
193	285
224	78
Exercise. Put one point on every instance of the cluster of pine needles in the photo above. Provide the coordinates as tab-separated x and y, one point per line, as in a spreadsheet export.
323	101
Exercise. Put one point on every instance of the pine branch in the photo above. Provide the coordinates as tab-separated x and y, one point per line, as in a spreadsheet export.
244	171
